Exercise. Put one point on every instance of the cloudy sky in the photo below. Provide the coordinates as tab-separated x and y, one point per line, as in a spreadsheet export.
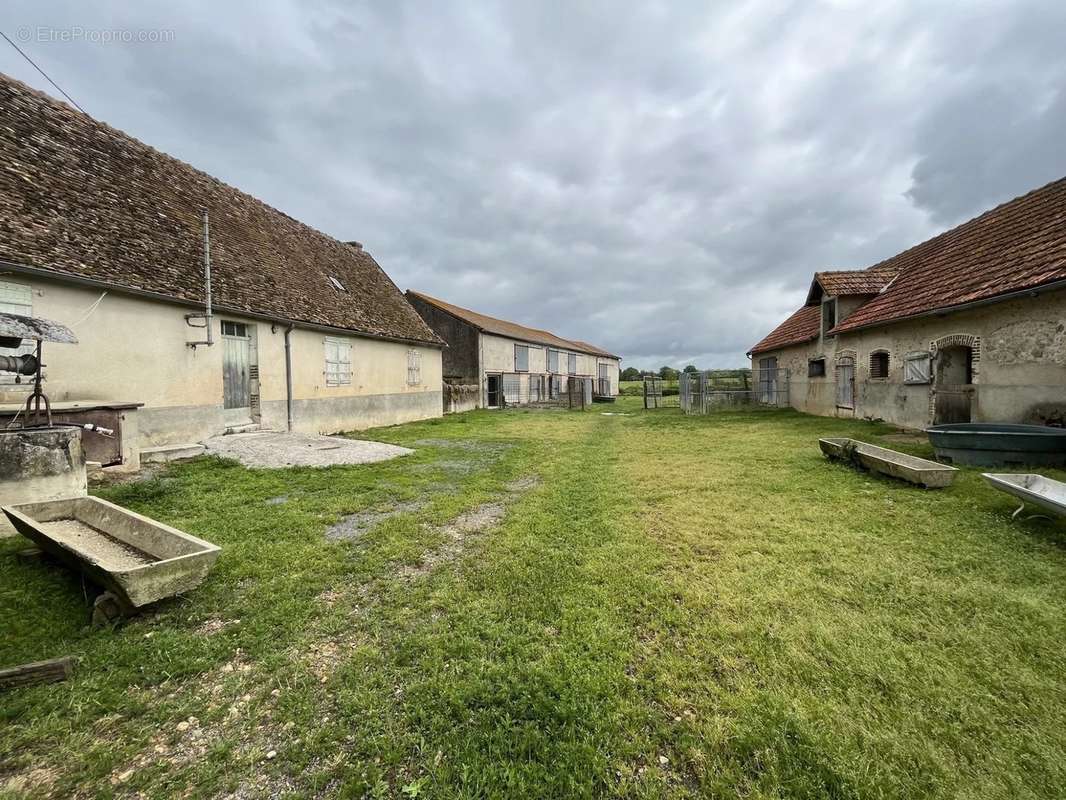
658	178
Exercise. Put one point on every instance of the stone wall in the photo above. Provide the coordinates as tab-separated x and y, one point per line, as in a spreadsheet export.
1019	364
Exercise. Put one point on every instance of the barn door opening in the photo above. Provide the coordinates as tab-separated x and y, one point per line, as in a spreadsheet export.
236	374
954	389
492	391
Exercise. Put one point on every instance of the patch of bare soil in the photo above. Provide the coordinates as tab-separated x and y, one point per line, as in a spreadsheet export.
478	520
355	525
210	627
22	783
108	477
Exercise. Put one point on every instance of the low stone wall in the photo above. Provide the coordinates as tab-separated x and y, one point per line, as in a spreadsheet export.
461	397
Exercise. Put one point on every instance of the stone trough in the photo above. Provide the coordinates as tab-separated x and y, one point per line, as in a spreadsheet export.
137	559
915	470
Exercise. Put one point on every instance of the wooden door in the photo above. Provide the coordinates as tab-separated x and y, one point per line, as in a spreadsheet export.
236	378
846	383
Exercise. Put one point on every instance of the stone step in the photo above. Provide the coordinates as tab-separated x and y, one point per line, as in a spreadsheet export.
249	427
171	452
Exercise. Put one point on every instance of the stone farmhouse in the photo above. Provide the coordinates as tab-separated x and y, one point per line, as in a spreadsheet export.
110	237
968	326
510	363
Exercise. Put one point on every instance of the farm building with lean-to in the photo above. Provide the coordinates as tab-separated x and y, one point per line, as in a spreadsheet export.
199	309
509	363
969	326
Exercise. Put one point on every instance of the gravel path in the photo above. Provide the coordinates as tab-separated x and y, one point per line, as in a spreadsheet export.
276	450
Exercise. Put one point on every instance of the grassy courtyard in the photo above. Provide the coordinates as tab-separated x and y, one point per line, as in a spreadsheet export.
540	604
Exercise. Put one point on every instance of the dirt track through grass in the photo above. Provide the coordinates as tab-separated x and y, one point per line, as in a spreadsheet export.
563	605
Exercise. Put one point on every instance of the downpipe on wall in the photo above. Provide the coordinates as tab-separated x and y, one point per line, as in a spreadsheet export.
288	376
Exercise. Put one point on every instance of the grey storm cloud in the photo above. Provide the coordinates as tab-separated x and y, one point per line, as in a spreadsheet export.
658	178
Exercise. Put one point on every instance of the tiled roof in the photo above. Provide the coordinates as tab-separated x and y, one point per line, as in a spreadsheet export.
841	283
512	330
79	198
802	326
1018	245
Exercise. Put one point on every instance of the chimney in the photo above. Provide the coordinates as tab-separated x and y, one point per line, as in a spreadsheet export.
356	245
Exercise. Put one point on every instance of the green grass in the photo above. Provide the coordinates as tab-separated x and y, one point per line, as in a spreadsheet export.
680	607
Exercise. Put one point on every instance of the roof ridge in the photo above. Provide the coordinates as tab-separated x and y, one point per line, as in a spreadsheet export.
573	344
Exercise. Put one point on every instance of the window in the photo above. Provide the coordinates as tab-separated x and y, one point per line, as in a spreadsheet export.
816	368
571	364
234	329
336	284
521	358
917	367
553	361
879	365
338	362
829	315
16	298
414	368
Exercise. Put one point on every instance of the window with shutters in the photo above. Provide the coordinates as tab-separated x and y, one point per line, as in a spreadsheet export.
917	367
553	361
879	365
414	368
16	298
338	362
521	358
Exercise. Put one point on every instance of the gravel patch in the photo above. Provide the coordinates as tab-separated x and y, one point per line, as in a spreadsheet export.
279	450
355	525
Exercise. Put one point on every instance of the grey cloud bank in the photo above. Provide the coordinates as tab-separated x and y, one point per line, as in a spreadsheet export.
660	179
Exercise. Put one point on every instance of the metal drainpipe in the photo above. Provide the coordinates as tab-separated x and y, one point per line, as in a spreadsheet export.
288	377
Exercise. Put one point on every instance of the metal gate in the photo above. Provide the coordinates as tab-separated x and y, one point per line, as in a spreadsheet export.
692	392
771	384
659	395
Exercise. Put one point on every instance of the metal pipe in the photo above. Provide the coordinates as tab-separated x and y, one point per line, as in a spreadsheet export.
288	377
207	315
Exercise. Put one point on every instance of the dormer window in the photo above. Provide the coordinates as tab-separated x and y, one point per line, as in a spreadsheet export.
829	315
336	284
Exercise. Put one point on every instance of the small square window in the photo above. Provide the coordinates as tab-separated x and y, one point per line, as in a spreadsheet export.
816	368
879	365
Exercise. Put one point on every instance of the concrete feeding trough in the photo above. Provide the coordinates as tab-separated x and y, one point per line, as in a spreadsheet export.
915	470
1030	488
136	559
